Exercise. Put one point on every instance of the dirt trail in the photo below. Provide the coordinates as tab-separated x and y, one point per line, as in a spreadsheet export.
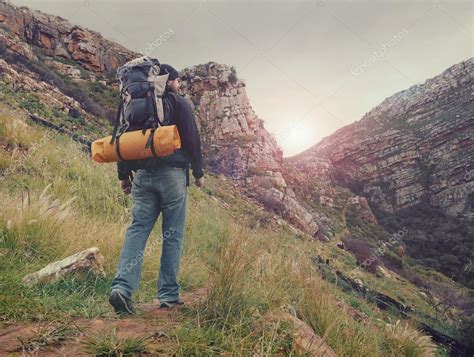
150	321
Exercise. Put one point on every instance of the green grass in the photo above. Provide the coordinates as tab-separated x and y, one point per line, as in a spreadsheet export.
250	266
32	102
49	334
110	344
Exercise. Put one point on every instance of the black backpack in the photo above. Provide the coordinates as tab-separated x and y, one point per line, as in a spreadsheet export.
141	104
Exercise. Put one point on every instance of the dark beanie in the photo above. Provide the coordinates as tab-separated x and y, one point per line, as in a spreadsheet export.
166	68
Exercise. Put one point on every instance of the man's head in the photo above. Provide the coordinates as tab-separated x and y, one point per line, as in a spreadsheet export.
173	78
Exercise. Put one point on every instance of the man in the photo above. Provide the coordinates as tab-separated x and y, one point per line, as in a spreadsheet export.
159	186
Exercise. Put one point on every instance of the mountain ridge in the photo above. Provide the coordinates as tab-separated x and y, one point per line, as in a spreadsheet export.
415	118
319	197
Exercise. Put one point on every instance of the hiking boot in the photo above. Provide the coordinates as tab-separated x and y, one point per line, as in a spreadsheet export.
173	303
121	303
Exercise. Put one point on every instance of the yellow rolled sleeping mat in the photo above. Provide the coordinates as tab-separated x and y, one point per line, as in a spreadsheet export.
132	145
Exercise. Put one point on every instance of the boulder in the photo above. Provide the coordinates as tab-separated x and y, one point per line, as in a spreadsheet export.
89	260
305	341
363	208
383	273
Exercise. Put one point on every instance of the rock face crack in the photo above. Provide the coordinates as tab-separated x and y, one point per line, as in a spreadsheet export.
412	148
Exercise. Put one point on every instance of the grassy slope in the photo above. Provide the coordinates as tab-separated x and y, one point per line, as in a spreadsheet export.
251	267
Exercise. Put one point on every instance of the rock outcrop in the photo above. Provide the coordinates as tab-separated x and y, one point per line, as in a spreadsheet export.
305	340
89	260
236	143
416	146
58	37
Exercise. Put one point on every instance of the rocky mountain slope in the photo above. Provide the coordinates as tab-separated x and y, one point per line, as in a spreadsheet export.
236	143
58	37
411	158
416	146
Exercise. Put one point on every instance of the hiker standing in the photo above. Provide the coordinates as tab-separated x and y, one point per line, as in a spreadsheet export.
159	186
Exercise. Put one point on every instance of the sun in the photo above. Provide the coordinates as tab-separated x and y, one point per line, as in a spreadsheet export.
297	139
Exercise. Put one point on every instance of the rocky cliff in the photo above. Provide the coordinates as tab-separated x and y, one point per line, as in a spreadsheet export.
51	67
416	146
58	37
237	145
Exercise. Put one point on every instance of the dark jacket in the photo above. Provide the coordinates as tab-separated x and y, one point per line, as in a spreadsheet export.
177	111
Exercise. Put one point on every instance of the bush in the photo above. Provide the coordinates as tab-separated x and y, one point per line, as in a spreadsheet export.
467	331
363	252
436	240
393	262
415	279
408	341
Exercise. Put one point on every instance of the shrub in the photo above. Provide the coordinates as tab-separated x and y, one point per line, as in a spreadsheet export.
467	331
415	279
408	341
393	262
233	75
4	160
436	240
363	252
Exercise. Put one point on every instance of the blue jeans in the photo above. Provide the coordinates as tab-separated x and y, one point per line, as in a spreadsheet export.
163	191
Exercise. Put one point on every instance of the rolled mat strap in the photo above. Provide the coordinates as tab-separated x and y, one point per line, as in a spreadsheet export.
151	142
117	148
134	145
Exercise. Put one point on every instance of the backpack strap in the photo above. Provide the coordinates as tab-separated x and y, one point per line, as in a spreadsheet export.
157	106
159	86
154	121
151	142
116	122
117	148
120	116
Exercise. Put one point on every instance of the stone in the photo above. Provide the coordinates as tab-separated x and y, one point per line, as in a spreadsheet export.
363	208
382	272
87	260
74	113
305	340
326	201
359	284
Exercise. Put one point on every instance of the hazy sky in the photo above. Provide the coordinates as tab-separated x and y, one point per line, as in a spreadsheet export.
310	66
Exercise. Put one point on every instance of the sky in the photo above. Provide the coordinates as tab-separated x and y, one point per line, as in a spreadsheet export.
310	67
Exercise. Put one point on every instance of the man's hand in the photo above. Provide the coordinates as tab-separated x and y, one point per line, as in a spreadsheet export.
199	181
126	186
